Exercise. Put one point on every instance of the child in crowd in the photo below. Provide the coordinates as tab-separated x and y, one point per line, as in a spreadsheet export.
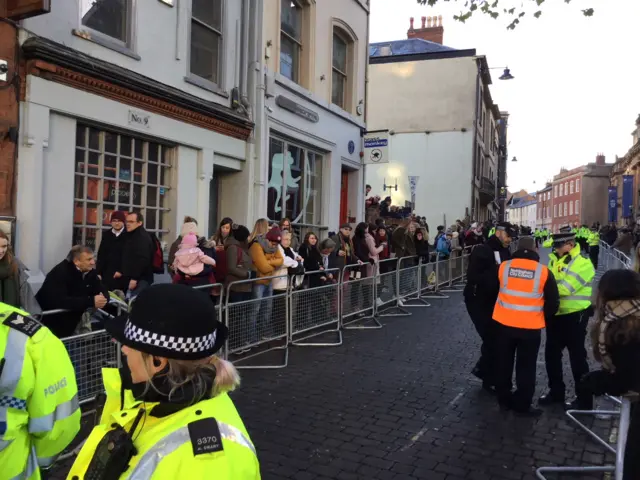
191	265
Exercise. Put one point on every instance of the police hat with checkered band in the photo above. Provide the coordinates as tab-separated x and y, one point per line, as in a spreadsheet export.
171	321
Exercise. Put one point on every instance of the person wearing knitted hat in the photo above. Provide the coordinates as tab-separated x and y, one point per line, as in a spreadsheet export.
109	263
574	275
167	412
191	265
239	264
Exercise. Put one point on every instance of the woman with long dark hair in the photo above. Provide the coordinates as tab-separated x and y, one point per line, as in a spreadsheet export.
14	287
616	345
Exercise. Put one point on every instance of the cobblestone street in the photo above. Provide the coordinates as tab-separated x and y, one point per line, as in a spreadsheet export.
399	403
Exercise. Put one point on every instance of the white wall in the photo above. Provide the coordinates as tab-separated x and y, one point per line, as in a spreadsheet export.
442	161
161	41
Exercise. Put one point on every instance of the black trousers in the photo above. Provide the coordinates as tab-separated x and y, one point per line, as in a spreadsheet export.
484	324
594	253
632	452
566	331
519	346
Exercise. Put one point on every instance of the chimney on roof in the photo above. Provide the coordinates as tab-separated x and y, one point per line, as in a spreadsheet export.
600	159
431	30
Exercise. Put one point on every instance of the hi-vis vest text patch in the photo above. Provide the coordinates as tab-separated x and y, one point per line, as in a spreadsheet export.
205	436
521	273
27	325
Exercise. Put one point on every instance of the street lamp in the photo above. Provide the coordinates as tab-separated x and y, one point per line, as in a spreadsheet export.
506	73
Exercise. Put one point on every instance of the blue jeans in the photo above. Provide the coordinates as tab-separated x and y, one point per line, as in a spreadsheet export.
261	318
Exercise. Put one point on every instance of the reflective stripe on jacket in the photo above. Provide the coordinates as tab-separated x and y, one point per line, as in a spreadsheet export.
574	275
594	239
39	411
165	448
521	299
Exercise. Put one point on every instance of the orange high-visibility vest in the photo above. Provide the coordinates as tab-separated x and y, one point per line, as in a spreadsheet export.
521	299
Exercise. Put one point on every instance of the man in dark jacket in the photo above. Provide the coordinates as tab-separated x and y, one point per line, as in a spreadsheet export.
109	264
344	254
137	258
71	285
481	292
528	297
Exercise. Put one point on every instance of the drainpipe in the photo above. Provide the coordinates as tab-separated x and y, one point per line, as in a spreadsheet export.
366	114
257	90
475	143
245	58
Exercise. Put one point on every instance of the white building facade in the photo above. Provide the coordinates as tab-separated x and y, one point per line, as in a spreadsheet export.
217	108
435	103
309	138
122	113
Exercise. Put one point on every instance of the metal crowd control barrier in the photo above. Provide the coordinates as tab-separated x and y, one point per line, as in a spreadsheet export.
409	282
358	299
429	283
388	301
218	307
256	323
315	309
456	275
625	415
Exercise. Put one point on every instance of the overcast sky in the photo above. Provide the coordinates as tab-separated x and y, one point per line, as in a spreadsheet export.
577	79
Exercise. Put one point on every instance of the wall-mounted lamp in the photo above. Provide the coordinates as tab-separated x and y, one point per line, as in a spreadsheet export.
390	187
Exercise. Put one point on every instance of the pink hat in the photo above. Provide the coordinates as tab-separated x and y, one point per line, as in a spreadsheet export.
190	240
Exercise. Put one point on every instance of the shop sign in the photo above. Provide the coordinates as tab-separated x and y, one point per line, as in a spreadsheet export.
139	119
297	109
376	147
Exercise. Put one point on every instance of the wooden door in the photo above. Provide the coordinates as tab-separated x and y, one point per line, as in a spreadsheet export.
344	197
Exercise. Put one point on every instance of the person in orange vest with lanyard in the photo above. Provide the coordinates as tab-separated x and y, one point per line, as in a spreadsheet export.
528	296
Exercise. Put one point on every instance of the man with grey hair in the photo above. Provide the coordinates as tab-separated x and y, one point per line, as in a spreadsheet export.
72	285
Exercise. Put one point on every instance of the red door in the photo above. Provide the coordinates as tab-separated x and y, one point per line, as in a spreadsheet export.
344	197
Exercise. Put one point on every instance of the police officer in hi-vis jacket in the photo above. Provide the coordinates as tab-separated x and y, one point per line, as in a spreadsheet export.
574	275
39	409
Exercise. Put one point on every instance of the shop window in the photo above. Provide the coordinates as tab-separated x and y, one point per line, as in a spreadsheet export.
295	183
113	19
291	22
118	172
206	39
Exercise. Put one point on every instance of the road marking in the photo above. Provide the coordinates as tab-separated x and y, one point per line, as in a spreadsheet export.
456	398
414	439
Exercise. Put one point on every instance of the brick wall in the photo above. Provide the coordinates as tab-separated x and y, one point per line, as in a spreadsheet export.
569	197
8	118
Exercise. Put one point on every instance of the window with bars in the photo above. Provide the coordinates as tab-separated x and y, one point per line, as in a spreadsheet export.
290	39
206	39
118	172
339	78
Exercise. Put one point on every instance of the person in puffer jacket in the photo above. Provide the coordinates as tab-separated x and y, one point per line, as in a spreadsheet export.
189	263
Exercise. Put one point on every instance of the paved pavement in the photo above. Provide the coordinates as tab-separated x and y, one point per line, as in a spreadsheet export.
399	403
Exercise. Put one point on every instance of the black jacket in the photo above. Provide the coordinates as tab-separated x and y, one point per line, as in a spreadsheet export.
65	287
482	274
137	256
550	290
110	259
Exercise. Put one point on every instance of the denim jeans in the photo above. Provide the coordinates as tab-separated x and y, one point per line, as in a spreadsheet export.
261	319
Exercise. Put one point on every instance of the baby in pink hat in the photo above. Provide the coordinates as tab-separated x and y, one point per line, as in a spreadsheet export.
190	260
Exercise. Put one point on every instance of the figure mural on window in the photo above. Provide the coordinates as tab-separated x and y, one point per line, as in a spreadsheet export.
281	169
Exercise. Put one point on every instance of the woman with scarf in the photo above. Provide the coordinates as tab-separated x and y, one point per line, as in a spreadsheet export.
616	344
14	287
167	412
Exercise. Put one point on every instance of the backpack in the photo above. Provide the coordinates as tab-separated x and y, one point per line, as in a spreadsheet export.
157	256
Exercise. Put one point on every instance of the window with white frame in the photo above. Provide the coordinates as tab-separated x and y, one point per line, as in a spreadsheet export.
110	18
340	69
291	20
295	183
555	190
555	211
565	209
571	186
577	209
577	185
566	188
118	172
206	39
561	189
570	208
